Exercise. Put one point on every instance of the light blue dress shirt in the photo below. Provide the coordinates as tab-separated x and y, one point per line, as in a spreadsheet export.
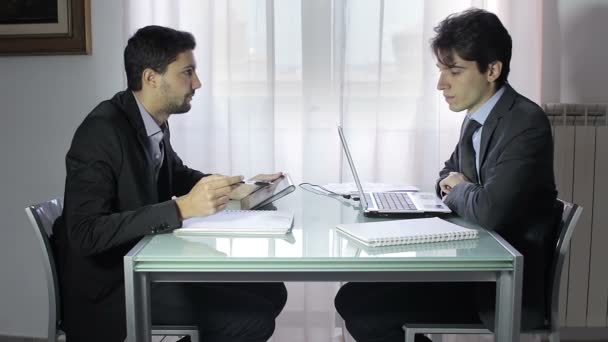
480	115
155	135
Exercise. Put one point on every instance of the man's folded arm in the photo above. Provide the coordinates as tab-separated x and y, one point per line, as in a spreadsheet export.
449	166
509	185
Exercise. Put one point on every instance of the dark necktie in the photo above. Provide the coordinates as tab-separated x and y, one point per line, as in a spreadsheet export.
162	182
468	166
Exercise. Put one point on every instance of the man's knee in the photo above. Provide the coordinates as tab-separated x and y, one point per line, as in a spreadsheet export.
262	328
280	298
345	298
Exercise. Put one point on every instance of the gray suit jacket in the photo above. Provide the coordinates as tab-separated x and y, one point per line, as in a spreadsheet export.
516	194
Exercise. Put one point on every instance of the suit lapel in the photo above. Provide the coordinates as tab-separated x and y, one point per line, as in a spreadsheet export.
502	107
125	100
136	121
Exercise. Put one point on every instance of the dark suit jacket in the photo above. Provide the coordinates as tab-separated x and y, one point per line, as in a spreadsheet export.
516	195
111	201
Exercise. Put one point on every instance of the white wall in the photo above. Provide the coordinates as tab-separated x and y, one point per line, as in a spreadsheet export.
575	50
43	99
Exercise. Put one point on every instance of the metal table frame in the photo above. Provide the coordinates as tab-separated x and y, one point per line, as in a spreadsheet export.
137	283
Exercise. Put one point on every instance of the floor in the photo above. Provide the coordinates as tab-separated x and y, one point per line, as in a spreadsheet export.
452	338
165	338
61	339
173	339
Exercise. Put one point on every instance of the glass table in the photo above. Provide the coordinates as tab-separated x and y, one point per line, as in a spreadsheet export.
315	251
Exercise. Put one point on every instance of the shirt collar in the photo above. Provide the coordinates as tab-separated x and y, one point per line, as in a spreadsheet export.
483	112
152	128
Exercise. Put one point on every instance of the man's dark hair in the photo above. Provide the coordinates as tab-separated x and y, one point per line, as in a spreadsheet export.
153	47
475	35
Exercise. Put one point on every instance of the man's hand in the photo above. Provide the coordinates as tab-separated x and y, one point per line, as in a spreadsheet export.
449	182
242	191
267	177
208	196
245	189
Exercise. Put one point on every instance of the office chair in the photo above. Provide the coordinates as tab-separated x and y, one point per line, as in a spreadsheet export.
570	216
42	216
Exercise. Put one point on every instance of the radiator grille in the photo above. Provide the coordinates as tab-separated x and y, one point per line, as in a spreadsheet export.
580	136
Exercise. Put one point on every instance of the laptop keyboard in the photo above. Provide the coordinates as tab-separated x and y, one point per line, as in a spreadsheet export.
394	201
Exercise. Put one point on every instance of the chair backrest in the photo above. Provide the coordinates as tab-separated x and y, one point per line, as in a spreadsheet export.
570	216
42	216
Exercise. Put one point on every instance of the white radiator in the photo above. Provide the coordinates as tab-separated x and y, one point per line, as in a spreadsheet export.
580	136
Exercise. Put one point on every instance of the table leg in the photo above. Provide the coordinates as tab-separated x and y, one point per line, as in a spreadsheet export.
508	303
145	321
130	305
137	296
137	301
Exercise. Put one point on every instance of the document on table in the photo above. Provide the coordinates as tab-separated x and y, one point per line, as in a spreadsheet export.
241	222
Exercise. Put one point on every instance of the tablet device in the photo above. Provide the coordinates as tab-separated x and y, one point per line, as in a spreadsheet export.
269	193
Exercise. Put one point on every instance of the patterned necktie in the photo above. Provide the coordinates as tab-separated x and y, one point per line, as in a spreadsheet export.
468	166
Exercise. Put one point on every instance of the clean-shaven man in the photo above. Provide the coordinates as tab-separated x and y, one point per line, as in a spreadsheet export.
499	176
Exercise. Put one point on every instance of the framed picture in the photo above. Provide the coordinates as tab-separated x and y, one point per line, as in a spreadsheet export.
45	27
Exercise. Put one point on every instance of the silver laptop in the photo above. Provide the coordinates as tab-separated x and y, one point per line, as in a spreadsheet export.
398	203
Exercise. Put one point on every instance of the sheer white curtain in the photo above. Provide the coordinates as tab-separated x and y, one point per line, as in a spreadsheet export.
278	75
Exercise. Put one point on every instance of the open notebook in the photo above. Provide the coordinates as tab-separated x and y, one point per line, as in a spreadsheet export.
240	222
403	232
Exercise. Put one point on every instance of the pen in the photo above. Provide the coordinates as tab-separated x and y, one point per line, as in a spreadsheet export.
258	183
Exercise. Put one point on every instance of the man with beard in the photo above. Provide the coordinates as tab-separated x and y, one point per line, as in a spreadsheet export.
125	181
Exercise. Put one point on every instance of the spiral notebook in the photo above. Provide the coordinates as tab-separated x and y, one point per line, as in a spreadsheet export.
421	249
239	222
404	232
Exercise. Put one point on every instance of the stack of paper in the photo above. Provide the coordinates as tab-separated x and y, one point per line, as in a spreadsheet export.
241	222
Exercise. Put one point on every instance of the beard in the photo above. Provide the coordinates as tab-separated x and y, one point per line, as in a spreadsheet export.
174	104
178	107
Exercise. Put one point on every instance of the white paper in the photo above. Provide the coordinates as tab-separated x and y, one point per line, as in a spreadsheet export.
239	221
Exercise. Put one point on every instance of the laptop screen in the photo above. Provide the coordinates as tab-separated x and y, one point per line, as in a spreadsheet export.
352	167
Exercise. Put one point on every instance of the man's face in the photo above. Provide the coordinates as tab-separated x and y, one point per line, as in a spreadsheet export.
463	86
178	83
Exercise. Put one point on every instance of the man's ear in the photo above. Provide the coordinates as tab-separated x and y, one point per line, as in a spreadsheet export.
494	71
150	78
